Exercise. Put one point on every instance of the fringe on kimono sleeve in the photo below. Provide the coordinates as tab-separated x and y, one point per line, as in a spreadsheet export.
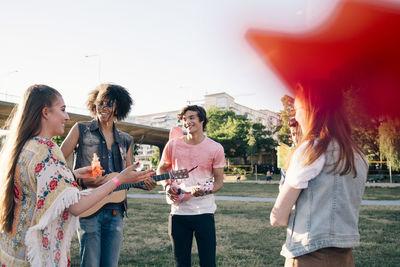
67	198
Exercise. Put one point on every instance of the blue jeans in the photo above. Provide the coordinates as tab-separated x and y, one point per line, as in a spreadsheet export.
101	238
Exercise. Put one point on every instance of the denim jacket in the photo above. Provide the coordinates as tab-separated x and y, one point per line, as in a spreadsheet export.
326	212
91	140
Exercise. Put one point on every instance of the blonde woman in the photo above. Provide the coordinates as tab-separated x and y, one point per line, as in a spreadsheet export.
39	198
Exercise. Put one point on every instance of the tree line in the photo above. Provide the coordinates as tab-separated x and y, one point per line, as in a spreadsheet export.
378	136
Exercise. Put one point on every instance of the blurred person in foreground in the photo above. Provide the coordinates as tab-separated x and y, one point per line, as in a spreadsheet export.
39	197
194	216
102	233
321	196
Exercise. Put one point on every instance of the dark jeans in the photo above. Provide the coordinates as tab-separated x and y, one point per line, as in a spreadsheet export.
181	230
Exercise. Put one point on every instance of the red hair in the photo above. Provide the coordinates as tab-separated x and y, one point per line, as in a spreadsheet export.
326	121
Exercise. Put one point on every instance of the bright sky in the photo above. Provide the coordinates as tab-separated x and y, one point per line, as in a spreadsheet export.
166	52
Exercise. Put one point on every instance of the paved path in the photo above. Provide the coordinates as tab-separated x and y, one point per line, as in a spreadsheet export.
277	182
269	199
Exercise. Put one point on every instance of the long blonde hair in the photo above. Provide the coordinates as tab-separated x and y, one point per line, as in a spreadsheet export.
327	121
23	123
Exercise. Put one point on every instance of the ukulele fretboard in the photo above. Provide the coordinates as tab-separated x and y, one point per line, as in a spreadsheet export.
156	178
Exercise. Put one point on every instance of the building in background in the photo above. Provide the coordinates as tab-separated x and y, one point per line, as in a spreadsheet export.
222	101
165	120
144	152
225	102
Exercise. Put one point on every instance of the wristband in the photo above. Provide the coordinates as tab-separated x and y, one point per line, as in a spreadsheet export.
116	181
208	192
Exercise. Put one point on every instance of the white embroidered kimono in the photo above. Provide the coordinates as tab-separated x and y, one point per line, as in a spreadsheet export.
44	188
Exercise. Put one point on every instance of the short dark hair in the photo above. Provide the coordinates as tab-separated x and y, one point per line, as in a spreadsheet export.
117	93
201	113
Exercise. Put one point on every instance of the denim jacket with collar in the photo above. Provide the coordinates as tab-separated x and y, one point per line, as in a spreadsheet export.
91	140
326	212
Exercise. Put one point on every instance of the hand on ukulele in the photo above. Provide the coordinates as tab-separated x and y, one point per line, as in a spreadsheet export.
197	191
172	192
202	190
149	184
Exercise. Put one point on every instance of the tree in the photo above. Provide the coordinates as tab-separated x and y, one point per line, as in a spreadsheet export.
286	114
58	139
364	127
251	149
238	136
232	135
389	141
155	157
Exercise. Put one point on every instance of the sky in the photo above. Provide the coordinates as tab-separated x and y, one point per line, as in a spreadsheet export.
167	53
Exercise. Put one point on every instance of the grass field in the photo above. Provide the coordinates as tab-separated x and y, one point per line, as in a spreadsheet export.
271	190
244	236
380	177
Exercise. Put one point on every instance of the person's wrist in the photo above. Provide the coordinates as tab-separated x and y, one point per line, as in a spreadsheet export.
116	181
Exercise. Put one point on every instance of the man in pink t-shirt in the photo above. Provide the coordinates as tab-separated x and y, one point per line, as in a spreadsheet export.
194	215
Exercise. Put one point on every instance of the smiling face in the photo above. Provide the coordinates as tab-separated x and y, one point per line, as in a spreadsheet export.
57	116
105	110
191	122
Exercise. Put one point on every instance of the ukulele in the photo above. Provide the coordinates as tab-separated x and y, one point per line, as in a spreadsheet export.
119	193
184	195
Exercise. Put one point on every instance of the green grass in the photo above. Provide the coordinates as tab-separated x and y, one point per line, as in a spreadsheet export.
271	190
244	236
382	193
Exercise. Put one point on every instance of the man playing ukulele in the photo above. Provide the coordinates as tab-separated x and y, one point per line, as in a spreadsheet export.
196	214
101	235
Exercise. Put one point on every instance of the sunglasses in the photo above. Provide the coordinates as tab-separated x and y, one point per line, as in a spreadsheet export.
104	104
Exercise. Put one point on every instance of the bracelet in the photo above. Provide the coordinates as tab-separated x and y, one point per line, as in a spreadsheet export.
208	192
116	181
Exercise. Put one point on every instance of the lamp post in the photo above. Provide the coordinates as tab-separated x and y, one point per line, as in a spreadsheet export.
99	67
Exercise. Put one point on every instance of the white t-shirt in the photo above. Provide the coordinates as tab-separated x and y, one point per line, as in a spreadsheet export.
298	175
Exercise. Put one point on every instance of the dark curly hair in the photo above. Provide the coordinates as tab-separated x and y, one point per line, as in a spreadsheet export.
117	93
201	113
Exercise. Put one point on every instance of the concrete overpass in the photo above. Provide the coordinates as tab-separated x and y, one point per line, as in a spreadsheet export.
142	134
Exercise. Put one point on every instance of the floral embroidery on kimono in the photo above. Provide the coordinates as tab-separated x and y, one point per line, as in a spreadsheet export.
44	188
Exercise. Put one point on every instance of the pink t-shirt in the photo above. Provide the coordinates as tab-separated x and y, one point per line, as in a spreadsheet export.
207	155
